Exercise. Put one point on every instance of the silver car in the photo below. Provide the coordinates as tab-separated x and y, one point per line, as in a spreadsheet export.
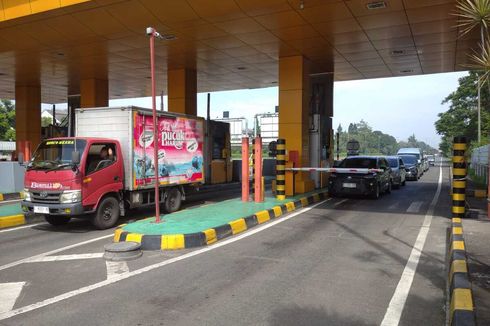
398	172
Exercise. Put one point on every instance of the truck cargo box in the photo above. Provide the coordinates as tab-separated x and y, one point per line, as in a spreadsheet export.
180	143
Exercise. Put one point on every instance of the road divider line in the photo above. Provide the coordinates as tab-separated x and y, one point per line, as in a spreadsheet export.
123	276
26	260
66	257
115	268
397	303
414	207
9	292
22	227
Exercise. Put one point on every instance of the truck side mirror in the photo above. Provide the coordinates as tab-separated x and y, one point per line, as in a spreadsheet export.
75	157
20	159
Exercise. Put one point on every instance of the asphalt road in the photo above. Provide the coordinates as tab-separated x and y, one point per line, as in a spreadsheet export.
338	263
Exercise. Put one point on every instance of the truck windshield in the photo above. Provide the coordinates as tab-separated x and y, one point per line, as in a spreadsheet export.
409	159
55	154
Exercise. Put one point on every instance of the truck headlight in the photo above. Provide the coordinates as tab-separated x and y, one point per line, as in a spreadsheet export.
27	195
70	196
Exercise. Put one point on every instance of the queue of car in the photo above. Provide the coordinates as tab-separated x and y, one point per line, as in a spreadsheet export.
373	175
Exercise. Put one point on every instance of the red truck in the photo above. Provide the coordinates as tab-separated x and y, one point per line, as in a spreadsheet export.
108	167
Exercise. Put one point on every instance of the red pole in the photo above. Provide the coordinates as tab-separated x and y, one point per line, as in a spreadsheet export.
258	170
155	125
245	170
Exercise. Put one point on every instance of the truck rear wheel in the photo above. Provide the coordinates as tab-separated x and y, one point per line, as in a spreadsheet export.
57	220
107	213
173	200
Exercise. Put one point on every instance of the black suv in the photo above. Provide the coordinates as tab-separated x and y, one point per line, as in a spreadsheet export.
352	183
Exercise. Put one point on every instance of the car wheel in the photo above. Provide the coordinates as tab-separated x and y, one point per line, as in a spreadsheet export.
173	200
57	220
404	182
375	193
107	213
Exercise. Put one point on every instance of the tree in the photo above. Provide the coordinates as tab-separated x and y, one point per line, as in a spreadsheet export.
352	130
339	129
7	120
461	119
46	121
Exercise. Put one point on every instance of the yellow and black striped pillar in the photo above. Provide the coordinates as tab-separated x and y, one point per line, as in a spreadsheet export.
252	188
280	172
459	176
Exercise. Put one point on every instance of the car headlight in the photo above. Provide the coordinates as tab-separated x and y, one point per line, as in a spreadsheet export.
70	196
27	195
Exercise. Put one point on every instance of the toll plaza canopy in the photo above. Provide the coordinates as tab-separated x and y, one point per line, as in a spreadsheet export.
86	52
232	44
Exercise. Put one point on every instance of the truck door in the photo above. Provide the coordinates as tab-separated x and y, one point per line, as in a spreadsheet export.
103	172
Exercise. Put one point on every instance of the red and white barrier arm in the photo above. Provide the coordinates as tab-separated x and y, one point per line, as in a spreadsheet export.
336	170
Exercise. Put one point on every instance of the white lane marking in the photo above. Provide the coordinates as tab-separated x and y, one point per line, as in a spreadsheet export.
124	276
397	303
9	292
340	202
414	207
116	268
22	227
25	260
65	257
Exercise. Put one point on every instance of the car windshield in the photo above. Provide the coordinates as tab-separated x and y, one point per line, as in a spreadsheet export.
358	162
55	154
409	159
393	162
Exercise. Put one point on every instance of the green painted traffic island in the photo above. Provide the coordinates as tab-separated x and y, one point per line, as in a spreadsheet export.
204	225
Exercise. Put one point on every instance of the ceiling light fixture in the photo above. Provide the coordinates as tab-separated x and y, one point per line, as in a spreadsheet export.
301	5
397	52
376	5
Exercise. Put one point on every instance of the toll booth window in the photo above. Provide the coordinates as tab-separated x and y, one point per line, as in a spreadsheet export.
100	156
218	146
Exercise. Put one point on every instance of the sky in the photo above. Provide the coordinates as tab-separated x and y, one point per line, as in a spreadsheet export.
399	106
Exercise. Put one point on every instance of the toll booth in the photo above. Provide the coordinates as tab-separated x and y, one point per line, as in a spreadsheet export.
218	152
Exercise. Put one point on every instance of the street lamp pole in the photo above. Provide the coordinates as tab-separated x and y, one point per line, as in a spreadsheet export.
151	32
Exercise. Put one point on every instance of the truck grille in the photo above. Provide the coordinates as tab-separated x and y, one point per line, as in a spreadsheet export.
47	197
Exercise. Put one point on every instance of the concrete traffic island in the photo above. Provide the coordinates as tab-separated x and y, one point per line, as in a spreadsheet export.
207	224
11	215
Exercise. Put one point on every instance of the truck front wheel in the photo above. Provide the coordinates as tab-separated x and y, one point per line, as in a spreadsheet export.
173	200
57	220
107	213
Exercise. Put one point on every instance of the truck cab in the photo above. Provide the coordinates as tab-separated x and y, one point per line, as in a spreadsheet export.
75	177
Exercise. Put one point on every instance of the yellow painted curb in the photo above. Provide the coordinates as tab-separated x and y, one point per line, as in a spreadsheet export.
461	300
175	241
238	226
458	266
457	245
262	216
12	220
210	236
457	230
